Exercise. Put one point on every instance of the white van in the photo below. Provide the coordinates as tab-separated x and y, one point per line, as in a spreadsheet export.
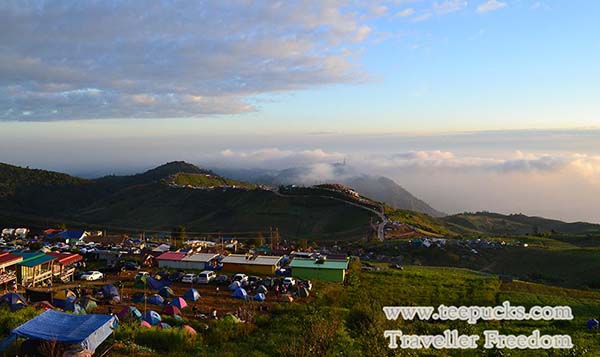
206	277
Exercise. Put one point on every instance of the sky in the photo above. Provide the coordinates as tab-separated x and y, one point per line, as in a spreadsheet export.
471	105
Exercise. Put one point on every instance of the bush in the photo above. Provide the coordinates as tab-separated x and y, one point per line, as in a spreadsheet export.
167	340
12	319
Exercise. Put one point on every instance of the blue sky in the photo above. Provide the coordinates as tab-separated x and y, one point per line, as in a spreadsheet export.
439	95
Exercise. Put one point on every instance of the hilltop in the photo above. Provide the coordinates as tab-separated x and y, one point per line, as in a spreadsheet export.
378	188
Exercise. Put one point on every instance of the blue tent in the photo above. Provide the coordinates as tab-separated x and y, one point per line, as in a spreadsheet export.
156	299
109	291
234	286
156	284
260	297
191	295
240	293
88	331
152	317
592	324
15	301
138	297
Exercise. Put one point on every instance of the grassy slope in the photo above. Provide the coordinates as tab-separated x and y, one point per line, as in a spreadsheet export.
517	224
354	322
156	207
207	180
422	221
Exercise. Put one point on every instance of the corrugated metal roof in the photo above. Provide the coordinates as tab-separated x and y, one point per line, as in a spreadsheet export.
36	259
175	256
67	258
200	257
245	259
311	263
8	259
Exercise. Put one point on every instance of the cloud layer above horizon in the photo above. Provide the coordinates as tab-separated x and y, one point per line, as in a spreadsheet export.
140	59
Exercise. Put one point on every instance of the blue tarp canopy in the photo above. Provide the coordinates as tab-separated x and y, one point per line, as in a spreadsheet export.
89	331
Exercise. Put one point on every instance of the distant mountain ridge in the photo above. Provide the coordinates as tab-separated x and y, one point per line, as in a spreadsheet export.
379	188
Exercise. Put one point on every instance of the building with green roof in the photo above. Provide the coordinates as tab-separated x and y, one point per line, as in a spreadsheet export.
320	269
35	268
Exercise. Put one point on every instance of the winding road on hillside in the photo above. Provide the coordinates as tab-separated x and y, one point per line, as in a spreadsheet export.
379	227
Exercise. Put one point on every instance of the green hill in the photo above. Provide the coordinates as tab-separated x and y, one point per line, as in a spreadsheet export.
149	201
515	224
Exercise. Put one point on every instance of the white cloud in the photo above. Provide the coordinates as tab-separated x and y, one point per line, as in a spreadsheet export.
406	12
448	6
112	59
490	5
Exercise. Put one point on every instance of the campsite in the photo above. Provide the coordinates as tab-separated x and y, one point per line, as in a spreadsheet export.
335	318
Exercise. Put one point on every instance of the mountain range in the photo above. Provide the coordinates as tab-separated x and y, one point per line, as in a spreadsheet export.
179	193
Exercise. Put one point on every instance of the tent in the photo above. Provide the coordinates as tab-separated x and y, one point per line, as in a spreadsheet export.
61	296
303	292
262	289
110	293
109	290
129	312
71	306
189	329
179	302
191	295
166	292
138	297
260	297
15	301
234	286
89	305
145	324
87	331
43	305
240	293
155	284
164	325
152	317
592	324
156	299
172	310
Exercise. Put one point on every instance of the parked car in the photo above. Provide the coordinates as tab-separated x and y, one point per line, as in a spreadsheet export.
289	281
268	282
131	266
222	280
188	278
176	276
206	277
242	278
92	275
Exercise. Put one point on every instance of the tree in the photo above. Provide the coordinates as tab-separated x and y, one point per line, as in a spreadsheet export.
178	234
